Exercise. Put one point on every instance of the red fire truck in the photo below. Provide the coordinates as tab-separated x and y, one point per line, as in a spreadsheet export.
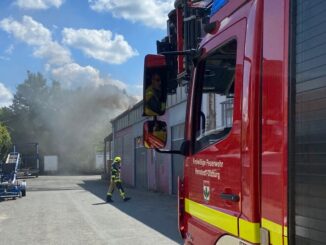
255	135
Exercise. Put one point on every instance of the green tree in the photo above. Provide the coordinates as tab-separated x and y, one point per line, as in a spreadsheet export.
29	100
24	118
5	141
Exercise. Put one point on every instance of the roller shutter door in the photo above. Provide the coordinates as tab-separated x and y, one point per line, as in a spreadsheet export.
140	164
308	165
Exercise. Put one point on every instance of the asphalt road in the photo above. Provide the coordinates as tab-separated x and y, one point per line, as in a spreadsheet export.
71	210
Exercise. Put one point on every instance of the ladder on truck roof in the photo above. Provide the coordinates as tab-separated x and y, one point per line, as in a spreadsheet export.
9	168
9	186
13	157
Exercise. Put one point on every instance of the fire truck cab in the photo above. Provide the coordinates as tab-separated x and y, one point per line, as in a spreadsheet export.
253	145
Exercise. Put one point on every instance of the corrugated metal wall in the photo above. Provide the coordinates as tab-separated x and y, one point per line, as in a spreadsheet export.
143	168
141	165
309	177
123	146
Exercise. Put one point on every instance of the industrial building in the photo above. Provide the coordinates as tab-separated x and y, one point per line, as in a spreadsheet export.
143	168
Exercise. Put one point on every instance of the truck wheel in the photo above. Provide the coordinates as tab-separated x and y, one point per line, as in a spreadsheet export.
23	193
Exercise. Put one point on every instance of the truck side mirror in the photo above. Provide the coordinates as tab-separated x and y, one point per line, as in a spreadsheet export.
155	85
155	134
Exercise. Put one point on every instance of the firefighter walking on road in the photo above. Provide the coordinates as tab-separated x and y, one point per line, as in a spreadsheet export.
116	181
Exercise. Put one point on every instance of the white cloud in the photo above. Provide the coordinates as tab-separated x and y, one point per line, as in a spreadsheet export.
152	13
28	31
5	96
54	53
99	44
73	76
35	34
38	4
59	62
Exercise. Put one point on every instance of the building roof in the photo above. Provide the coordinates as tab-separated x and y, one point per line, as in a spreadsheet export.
136	106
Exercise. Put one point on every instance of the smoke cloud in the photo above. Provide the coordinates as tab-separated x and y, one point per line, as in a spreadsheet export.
79	122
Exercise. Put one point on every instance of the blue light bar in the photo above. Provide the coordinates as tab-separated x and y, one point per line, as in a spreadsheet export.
217	5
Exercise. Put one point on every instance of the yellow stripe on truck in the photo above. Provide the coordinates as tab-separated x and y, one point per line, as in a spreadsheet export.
249	231
275	232
216	218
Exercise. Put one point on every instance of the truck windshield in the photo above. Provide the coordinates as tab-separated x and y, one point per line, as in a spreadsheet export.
217	91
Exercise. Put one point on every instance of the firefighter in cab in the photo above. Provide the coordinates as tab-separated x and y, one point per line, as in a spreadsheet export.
153	97
116	181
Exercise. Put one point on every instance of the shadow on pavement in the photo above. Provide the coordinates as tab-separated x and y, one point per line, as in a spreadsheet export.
156	210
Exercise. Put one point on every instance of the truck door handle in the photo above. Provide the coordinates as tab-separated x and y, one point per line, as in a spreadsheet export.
230	197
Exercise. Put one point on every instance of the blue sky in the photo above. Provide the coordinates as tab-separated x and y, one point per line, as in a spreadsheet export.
79	42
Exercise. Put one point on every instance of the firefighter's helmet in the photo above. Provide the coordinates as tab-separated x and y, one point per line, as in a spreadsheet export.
117	159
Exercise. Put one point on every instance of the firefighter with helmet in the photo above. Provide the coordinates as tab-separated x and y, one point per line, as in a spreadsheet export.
116	181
